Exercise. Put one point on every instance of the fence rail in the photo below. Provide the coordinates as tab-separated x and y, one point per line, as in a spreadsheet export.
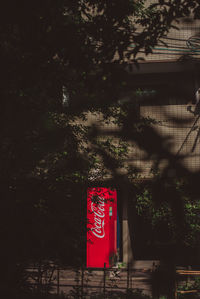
83	282
87	282
188	274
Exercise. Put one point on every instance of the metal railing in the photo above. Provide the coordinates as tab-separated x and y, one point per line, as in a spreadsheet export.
188	276
83	282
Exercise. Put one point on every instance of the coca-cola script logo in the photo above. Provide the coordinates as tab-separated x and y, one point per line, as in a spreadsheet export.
99	218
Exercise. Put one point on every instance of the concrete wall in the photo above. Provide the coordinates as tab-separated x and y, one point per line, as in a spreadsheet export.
174	45
179	136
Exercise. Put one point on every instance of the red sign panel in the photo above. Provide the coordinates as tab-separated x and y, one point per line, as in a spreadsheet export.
101	226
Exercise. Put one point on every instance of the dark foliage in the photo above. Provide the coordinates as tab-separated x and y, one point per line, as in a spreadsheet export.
59	60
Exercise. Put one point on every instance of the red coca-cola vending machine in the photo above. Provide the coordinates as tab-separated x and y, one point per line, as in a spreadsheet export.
101	227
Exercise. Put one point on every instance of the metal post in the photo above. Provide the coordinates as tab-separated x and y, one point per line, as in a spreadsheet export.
39	282
104	281
82	281
58	281
128	274
175	295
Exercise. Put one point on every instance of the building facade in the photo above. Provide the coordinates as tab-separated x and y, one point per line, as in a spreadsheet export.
164	87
